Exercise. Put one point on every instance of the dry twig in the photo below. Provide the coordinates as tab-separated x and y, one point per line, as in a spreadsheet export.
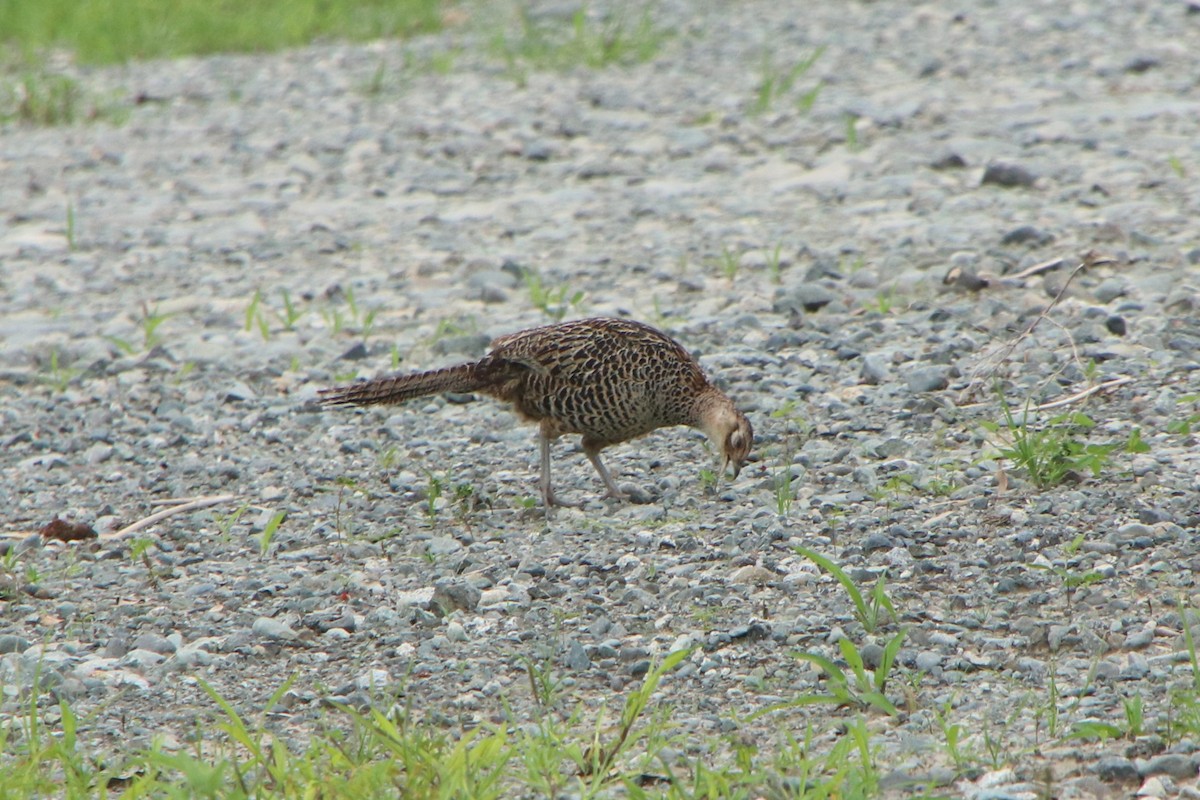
184	506
1091	390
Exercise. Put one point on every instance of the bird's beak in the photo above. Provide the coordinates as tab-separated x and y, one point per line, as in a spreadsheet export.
730	467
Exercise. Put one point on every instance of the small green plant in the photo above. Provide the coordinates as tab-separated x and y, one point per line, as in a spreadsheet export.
360	318
1071	579
708	481
374	85
150	322
851	266
869	611
1049	710
264	539
436	486
885	300
291	314
1176	166
729	262
661	318
900	484
775	264
781	469
72	245
775	83
596	762
852	142
545	685
367	327
451	326
139	551
343	483
781	484
1072	547
254	316
1096	729
334	319
1190	422
60	375
185	369
858	688
225	521
554	303
954	734
465	500
940	487
388	458
1053	452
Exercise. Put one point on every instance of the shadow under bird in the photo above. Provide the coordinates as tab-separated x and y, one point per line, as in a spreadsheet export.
610	380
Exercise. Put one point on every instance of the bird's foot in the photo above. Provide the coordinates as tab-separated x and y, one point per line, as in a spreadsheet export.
631	493
551	500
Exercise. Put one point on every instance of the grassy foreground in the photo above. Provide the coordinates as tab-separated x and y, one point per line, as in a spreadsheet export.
630	751
108	31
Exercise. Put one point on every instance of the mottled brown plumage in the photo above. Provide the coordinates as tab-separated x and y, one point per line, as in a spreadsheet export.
610	380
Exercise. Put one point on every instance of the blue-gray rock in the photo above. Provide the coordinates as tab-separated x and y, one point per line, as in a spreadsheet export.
1008	175
154	643
1115	769
273	629
11	643
927	379
576	657
1174	764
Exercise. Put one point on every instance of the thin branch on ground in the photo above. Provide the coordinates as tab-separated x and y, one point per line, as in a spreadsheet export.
185	506
1088	392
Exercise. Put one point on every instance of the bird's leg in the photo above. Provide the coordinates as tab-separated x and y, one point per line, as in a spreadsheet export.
593	454
548	498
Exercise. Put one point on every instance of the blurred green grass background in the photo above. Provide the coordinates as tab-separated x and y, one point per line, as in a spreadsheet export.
114	31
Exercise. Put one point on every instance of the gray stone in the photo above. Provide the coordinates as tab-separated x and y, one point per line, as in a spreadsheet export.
1175	765
1008	175
1117	769
10	643
455	594
576	657
927	379
273	629
154	643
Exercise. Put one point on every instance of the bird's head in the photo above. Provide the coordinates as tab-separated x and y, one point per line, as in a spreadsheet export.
730	433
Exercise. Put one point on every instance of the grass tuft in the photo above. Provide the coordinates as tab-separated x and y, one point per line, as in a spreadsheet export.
1054	452
587	41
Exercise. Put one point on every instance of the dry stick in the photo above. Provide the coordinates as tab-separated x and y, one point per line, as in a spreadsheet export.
191	505
1088	259
1099	387
1045	266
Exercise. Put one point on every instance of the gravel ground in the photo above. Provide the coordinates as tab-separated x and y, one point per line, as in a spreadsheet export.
400	208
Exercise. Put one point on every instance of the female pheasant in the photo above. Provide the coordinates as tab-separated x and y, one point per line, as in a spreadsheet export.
610	380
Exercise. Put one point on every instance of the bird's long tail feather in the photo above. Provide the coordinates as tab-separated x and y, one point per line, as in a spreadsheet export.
398	388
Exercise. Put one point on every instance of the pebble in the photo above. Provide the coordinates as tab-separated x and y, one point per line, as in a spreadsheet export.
273	629
927	379
1117	769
